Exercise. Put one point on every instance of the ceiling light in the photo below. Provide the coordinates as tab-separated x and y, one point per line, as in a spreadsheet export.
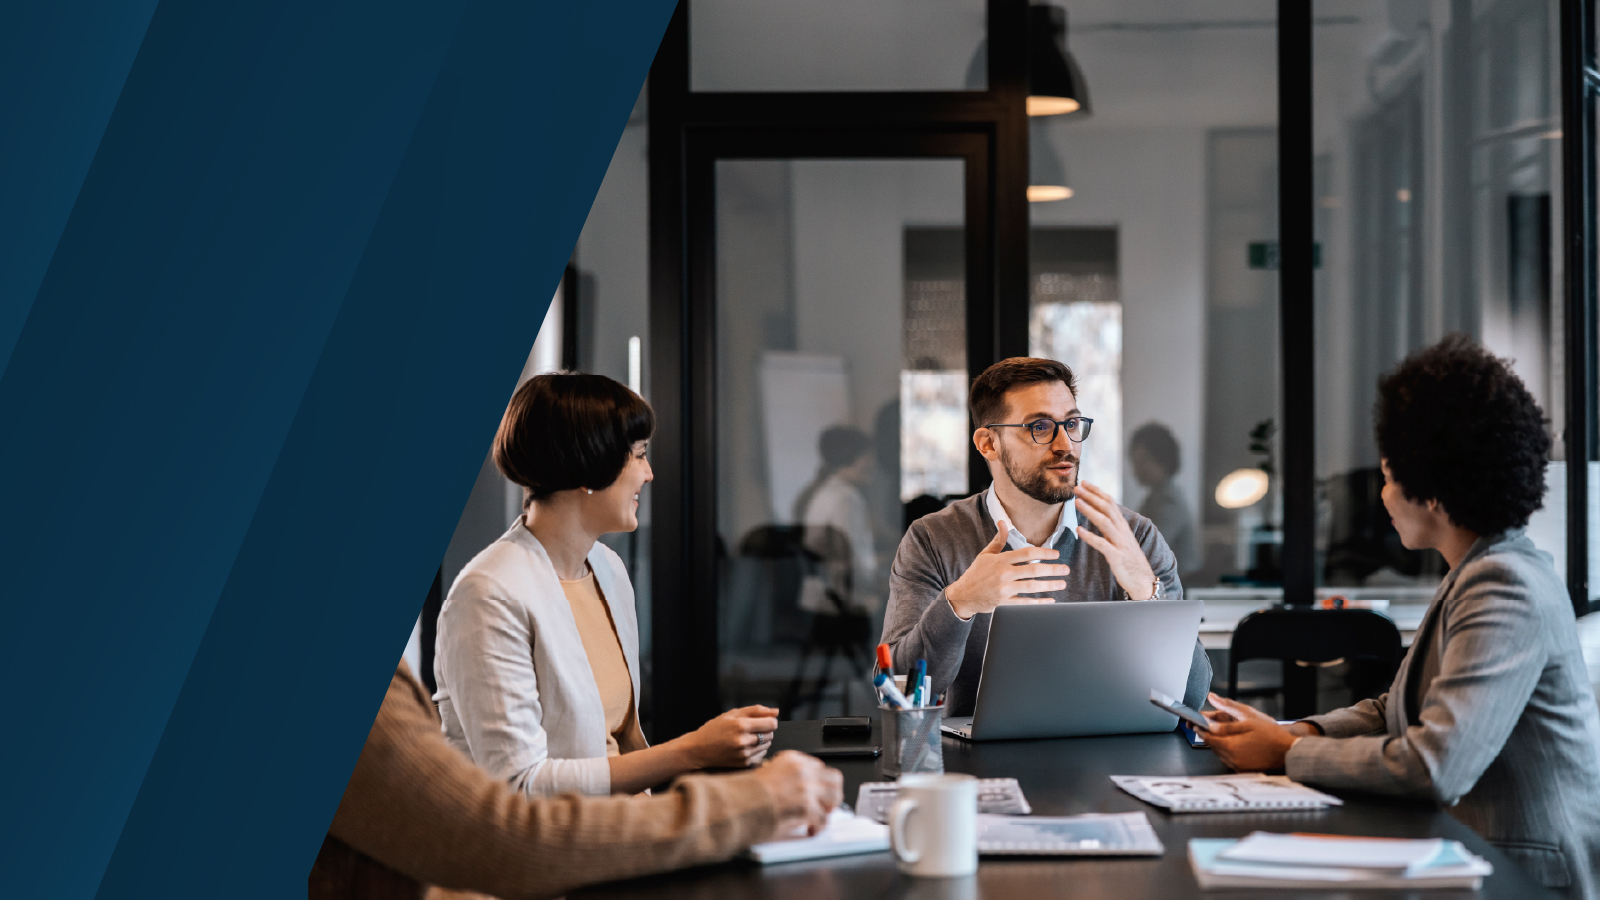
1047	176
1241	488
1055	83
1044	193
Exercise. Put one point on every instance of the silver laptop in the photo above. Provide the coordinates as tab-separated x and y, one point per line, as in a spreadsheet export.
1069	669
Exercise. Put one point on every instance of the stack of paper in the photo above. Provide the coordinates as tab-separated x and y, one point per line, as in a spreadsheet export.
1091	834
1221	793
999	796
1310	861
846	833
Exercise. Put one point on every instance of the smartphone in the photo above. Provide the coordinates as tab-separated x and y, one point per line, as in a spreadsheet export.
830	751
847	727
1199	722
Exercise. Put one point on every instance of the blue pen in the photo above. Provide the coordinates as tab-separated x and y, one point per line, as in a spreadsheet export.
918	672
890	692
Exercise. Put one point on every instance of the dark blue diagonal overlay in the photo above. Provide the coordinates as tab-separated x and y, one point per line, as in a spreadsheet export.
250	398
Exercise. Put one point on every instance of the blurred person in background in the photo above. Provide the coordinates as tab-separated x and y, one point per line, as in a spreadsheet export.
838	527
1491	714
417	813
540	627
1154	456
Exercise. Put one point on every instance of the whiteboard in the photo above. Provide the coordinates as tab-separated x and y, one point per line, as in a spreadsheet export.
802	395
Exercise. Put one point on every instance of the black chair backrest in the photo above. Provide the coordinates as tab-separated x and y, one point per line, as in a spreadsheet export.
772	542
1297	634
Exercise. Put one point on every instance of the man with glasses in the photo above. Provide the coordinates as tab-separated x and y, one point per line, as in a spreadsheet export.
1020	541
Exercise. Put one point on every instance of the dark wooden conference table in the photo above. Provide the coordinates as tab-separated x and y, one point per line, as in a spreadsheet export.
1063	777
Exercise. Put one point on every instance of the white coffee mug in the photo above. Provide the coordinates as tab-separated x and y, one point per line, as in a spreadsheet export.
933	826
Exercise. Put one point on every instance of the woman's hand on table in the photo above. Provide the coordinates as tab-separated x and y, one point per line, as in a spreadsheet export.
736	739
1249	740
804	790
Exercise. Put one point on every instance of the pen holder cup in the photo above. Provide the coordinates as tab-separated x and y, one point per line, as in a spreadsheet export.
912	742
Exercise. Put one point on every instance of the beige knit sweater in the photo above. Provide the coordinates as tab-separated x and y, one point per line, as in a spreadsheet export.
418	813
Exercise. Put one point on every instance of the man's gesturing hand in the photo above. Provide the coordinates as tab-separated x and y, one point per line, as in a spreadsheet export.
1115	542
1000	576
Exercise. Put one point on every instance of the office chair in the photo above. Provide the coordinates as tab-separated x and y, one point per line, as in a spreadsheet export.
842	630
1307	639
762	610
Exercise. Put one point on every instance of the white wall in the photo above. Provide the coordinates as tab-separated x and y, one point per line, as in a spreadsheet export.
850	218
833	45
615	249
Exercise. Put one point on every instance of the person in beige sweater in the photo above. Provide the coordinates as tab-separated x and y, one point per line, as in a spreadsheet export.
417	813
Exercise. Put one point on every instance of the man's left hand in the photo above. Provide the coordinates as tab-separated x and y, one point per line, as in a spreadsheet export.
1115	542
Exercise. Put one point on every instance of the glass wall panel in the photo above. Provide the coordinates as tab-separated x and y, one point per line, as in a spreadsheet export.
612	334
1144	280
1438	148
837	45
841	389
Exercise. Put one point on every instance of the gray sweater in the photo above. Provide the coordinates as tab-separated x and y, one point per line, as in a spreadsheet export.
938	548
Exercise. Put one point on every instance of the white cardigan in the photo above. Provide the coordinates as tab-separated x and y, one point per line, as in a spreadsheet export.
516	692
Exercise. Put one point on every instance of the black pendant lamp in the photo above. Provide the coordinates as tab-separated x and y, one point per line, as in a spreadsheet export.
1047	175
1055	83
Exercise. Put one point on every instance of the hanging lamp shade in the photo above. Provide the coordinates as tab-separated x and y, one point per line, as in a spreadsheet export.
1055	83
1047	175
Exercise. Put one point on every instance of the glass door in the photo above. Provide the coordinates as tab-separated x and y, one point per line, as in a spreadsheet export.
840	309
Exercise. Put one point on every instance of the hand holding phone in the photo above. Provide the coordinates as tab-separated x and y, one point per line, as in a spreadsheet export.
1177	708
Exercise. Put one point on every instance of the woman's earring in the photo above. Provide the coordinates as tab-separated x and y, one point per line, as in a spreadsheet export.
589	490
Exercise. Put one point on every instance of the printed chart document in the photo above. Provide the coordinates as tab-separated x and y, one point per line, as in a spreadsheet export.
1220	793
999	796
1093	834
1318	861
845	834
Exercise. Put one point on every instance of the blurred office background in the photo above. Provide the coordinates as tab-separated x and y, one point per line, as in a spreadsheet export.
830	317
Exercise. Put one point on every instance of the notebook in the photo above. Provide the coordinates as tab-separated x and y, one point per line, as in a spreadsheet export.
1092	834
999	796
1395	856
1221	793
845	834
1453	866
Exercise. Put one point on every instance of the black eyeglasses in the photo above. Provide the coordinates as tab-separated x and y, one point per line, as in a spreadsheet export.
1044	430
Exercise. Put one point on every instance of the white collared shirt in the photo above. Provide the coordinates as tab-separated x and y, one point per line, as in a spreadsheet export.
1068	521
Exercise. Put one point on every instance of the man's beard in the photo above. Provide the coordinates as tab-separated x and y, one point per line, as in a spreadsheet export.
1036	483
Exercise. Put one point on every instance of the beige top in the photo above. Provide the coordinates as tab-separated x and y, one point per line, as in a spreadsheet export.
416	812
610	668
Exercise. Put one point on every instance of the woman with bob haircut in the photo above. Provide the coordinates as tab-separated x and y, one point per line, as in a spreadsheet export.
538	649
1491	714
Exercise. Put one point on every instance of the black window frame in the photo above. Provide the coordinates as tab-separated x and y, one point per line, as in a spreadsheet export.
1580	91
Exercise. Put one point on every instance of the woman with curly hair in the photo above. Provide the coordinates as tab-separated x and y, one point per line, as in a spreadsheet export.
1491	714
